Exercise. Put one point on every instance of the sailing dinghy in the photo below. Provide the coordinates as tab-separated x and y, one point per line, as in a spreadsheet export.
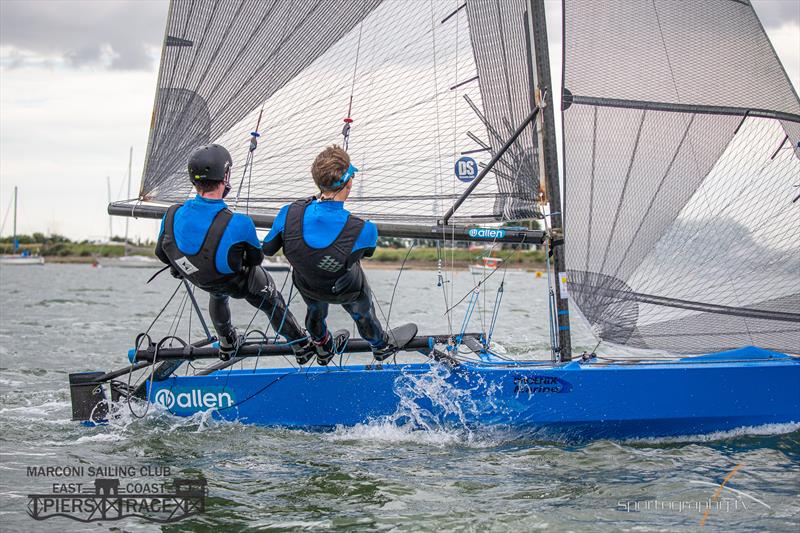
675	232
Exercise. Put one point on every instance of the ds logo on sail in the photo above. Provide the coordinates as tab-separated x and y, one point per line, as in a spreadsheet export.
194	398
466	169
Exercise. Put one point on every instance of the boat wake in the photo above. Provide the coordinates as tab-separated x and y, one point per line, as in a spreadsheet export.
764	430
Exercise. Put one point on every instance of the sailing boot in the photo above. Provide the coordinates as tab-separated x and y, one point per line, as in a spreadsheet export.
384	350
229	344
304	351
393	341
331	345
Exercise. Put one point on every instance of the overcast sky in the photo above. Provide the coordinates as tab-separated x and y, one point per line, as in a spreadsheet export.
77	81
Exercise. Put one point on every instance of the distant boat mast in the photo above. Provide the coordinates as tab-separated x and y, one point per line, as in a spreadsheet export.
110	223
14	238
130	164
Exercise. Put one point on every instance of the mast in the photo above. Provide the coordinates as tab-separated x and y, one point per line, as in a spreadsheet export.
110	230
14	238
130	165
548	155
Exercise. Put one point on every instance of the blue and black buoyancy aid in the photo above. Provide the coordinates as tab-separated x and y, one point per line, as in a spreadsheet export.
199	268
327	274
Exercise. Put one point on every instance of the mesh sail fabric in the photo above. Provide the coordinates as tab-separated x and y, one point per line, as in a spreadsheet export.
421	76
681	163
221	59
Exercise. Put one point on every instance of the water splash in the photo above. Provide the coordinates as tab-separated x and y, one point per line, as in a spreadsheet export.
433	409
126	417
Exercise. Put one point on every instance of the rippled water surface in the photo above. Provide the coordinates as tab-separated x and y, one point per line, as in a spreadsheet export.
58	319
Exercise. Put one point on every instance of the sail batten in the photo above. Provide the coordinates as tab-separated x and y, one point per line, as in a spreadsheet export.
682	108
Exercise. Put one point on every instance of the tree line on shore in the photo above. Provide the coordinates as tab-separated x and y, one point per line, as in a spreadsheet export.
59	245
390	250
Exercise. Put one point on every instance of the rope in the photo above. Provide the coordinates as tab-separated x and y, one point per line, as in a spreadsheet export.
139	340
397	281
468	315
495	311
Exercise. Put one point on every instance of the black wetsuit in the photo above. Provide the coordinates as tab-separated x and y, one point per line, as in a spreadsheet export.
219	252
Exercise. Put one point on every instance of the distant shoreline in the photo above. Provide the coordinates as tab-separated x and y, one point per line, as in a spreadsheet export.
368	264
59	250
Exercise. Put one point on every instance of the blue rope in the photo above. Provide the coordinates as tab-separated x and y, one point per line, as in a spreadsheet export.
497	299
467	316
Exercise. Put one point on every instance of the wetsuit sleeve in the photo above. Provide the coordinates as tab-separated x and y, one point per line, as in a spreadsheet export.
251	247
244	249
244	254
160	244
274	239
367	241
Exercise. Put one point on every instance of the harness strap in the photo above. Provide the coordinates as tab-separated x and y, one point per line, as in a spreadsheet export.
202	270
295	221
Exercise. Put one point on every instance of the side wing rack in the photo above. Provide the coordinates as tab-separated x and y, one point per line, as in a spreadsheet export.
511	235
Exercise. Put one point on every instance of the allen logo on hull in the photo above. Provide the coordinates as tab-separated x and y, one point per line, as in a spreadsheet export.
193	399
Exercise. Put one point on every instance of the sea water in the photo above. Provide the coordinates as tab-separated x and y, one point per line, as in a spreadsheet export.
403	472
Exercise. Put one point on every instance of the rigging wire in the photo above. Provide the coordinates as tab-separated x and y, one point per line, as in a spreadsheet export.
138	343
441	282
348	121
397	281
176	320
492	273
5	218
551	297
495	311
248	164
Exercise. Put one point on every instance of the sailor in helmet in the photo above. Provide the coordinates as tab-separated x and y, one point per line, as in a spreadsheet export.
324	244
219	252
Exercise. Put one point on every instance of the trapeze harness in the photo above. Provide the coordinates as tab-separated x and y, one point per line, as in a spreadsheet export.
199	268
325	274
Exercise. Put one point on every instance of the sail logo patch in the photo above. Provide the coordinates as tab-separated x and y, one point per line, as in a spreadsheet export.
187	267
330	264
486	233
193	399
540	384
466	169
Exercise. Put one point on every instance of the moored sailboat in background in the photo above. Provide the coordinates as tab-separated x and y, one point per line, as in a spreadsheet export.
487	264
15	258
661	241
128	261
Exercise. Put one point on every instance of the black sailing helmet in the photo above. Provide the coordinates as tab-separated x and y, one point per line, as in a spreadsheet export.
209	163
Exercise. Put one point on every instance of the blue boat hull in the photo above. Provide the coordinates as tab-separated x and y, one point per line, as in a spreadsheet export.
747	387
